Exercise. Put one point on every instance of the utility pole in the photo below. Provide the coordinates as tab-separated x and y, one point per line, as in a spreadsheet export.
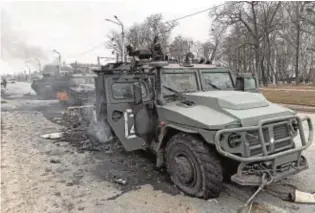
59	60
29	70
39	64
122	36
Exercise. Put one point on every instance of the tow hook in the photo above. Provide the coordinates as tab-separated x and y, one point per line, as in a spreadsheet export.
266	179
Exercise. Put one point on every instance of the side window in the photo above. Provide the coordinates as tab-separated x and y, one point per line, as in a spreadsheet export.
250	83
125	90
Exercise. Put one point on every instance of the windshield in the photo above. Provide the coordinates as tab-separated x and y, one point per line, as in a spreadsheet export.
180	82
216	80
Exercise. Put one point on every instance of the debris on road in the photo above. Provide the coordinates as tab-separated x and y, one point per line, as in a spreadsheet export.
213	201
81	208
69	184
56	135
83	131
289	192
54	161
121	181
303	197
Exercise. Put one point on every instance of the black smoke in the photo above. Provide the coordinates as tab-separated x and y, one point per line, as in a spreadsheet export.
14	45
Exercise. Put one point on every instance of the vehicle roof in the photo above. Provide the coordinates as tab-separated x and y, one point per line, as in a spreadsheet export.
119	68
84	75
245	74
196	66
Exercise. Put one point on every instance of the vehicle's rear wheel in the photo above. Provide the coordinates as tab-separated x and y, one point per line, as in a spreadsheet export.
193	167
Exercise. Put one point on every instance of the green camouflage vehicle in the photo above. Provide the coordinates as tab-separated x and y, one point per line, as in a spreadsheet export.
198	125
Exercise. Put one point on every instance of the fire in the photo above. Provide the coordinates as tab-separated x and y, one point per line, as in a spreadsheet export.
62	96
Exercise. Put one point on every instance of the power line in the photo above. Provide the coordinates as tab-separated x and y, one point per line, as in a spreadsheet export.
179	18
196	13
89	50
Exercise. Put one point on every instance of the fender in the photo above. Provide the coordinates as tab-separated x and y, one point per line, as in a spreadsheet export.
171	126
161	139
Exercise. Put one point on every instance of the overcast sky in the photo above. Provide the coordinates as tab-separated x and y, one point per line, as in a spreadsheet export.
71	27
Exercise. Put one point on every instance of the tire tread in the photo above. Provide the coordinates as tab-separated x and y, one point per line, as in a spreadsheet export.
208	160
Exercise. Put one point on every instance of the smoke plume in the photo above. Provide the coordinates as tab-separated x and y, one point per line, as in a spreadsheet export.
14	45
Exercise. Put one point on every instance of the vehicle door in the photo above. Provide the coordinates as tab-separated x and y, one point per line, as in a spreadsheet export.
122	110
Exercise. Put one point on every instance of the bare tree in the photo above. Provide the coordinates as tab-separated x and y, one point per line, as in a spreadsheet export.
265	37
297	13
245	13
179	47
114	43
142	35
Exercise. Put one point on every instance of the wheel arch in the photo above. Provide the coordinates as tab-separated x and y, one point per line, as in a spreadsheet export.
168	132
171	129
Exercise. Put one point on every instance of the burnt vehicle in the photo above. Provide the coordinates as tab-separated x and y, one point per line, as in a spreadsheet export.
194	120
79	91
48	86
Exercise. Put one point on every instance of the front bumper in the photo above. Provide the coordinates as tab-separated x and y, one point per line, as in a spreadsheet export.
277	164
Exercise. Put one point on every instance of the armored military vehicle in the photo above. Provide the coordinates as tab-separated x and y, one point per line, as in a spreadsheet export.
48	86
79	91
198	124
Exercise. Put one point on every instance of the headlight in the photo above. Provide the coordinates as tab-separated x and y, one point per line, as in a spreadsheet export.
234	140
294	125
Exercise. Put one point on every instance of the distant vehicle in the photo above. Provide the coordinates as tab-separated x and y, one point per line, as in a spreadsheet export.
49	86
80	90
12	80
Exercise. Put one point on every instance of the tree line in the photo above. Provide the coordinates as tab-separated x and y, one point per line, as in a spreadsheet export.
273	39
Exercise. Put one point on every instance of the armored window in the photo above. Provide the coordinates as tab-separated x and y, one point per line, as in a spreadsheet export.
249	83
216	80
125	90
180	82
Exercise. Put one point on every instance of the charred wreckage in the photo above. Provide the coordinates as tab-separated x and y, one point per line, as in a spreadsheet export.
71	90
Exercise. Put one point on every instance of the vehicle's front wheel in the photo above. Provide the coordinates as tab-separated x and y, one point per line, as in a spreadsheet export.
193	167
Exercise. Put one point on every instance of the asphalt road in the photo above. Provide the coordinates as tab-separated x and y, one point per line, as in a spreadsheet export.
32	182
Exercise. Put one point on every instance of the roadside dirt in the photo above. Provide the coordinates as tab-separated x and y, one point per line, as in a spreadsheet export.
290	96
69	171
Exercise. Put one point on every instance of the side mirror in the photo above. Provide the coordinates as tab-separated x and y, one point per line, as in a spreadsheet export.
137	93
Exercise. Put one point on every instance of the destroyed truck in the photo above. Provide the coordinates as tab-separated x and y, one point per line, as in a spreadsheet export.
80	90
198	124
48	86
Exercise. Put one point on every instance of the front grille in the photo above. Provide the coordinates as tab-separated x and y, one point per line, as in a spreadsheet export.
279	132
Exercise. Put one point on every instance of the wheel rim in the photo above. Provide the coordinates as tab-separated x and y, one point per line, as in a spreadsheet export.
184	170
